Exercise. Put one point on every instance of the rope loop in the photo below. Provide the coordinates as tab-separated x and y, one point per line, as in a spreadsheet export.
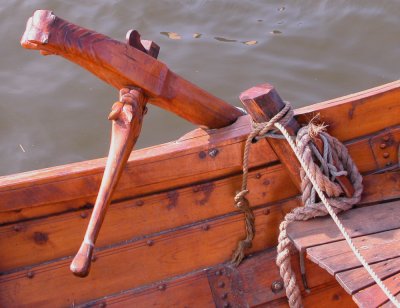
241	202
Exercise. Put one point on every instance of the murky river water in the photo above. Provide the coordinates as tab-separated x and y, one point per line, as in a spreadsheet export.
52	112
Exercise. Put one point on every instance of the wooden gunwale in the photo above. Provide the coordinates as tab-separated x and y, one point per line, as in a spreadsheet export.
193	207
19	202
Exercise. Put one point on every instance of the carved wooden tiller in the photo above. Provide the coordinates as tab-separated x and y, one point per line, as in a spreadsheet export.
132	67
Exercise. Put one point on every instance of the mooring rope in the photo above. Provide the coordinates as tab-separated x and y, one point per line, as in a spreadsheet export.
241	202
315	181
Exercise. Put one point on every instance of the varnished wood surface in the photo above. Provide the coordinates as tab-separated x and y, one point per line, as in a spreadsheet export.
373	296
375	231
358	278
49	238
150	170
263	103
165	191
121	65
57	189
246	286
360	221
138	261
127	118
357	114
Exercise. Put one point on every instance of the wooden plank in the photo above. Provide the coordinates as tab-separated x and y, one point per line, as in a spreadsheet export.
358	222
58	189
359	149
358	114
336	257
248	285
151	170
191	290
52	237
373	296
139	262
330	295
58	236
389	304
385	187
357	279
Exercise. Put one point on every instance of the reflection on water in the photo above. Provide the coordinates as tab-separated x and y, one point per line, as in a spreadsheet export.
52	112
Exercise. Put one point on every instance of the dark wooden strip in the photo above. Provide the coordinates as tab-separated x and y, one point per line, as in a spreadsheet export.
358	222
191	290
373	296
329	295
336	257
357	279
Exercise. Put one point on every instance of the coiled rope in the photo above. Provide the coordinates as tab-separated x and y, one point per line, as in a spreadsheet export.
317	180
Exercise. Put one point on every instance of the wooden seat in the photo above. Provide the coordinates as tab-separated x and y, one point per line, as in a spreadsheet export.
376	233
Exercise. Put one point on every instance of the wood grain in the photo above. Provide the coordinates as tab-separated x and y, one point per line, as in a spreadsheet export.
357	114
58	189
50	237
336	257
138	262
248	285
358	222
150	170
373	296
263	103
121	65
357	279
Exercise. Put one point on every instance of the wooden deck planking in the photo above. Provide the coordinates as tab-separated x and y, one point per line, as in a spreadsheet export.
337	257
359	221
376	233
373	296
357	279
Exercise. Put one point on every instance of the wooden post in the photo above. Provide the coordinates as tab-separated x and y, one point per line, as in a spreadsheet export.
262	103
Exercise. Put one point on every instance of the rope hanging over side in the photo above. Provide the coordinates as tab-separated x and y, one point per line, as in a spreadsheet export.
241	202
317	182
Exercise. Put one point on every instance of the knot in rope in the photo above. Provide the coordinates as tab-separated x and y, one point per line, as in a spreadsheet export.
258	129
240	199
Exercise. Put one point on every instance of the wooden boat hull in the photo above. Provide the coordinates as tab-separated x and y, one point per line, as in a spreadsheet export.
171	228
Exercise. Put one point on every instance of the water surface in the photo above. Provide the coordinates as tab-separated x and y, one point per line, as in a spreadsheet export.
52	112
